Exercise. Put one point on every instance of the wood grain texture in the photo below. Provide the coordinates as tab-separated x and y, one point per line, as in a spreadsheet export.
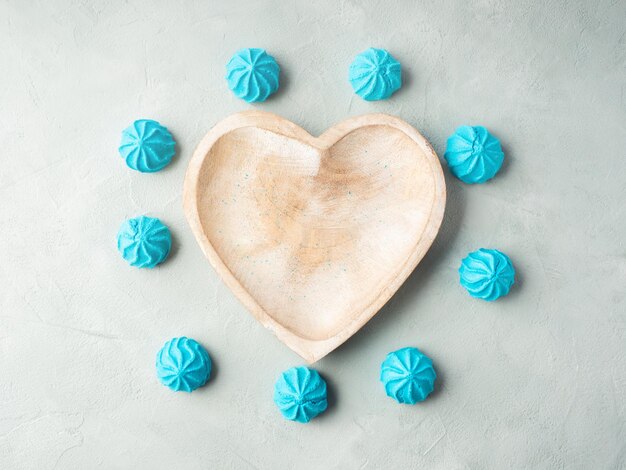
314	234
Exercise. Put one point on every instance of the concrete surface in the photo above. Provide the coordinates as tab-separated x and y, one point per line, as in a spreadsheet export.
535	381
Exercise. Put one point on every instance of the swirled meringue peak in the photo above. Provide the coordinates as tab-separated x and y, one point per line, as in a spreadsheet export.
144	241
473	154
487	274
375	74
147	146
408	375
183	364
300	394
252	74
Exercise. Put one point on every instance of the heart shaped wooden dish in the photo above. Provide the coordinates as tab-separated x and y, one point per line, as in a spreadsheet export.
314	234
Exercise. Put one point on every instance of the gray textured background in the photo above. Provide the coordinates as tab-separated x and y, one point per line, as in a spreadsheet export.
536	380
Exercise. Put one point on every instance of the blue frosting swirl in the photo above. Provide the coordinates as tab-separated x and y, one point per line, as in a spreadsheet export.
183	364
375	74
473	154
252	74
487	274
408	375
300	394
147	146
144	241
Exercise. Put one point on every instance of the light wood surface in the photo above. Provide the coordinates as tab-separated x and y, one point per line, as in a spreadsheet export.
314	234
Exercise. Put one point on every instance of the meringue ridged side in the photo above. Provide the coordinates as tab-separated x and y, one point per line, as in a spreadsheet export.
300	394
408	375
144	241
473	154
487	274
375	74
252	75
147	146
183	364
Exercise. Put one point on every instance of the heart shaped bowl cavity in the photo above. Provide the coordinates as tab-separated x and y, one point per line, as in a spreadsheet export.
314	234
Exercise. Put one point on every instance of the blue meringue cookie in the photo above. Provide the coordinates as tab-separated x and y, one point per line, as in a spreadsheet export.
147	146
408	375
144	241
300	394
375	74
183	364
252	74
487	274
473	154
